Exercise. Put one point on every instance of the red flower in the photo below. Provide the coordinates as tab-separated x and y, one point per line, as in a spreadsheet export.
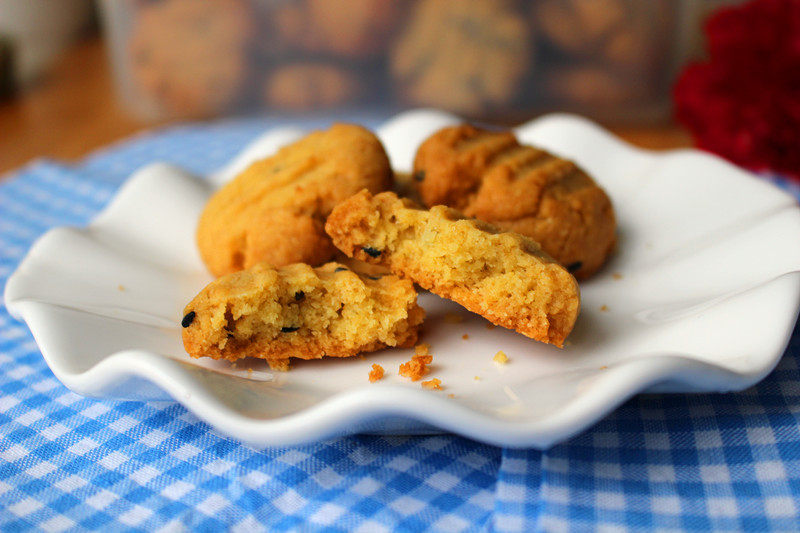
744	102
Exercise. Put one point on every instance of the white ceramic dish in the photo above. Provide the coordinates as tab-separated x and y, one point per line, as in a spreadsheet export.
702	295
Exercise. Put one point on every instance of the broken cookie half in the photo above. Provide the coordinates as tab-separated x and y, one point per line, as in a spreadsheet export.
503	276
301	312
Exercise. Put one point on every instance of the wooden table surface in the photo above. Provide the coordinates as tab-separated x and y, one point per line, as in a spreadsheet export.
74	110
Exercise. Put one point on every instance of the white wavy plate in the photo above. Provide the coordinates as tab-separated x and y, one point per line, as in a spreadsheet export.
706	301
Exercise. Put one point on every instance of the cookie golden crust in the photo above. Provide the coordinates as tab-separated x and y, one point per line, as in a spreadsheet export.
504	277
302	312
274	211
489	175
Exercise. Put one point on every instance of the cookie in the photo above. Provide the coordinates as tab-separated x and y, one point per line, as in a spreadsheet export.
191	56
274	211
594	87
625	33
489	175
462	55
303	86
504	277
301	312
361	30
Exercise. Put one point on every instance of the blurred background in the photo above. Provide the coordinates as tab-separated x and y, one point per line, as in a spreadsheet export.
77	74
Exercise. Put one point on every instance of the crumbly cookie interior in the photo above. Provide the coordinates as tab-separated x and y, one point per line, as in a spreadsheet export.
503	276
299	311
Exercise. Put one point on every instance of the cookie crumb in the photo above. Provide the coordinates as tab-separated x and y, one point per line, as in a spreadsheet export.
422	349
434	384
453	318
376	373
120	288
416	368
617	276
477	378
490	326
603	367
500	358
465	336
451	395
604	307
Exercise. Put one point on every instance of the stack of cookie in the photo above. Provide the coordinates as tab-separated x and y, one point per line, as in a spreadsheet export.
475	57
271	233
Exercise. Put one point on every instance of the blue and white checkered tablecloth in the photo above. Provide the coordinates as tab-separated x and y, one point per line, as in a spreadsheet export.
669	462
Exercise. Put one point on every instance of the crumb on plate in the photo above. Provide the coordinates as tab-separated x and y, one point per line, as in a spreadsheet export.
376	373
434	384
120	287
422	349
604	307
416	368
451	395
465	336
617	276
500	358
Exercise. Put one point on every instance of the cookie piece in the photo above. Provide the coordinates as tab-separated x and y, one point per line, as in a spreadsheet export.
191	56
504	277
361	30
489	175
462	55
303	86
300	311
274	211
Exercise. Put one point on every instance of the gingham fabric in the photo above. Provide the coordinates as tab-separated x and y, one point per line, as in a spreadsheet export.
670	462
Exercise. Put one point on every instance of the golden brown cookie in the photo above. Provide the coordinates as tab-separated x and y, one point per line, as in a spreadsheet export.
504	277
299	311
462	55
275	210
593	87
191	56
626	33
359	29
490	176
303	86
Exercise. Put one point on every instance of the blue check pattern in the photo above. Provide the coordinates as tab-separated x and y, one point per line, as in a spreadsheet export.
671	462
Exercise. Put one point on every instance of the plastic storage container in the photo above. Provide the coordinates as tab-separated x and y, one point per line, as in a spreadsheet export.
487	59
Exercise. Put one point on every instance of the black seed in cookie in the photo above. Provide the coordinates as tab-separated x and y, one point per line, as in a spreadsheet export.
188	319
374	277
340	269
372	252
289	329
574	267
230	335
419	175
299	295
